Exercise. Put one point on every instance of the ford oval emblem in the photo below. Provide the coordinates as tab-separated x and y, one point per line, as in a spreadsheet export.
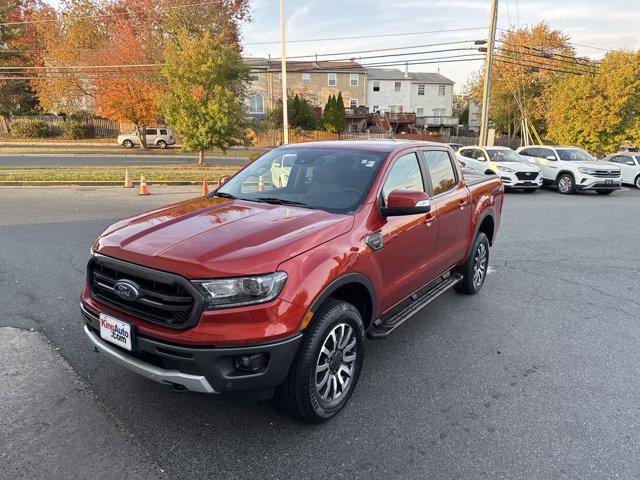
126	290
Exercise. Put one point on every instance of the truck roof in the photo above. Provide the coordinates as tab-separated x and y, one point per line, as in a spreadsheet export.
376	145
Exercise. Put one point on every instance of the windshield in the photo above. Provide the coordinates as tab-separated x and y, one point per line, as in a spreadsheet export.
335	180
574	155
503	155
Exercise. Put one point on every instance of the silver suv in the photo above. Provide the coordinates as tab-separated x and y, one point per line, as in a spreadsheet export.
160	137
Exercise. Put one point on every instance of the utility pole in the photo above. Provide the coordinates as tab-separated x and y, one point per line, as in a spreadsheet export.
283	69
488	65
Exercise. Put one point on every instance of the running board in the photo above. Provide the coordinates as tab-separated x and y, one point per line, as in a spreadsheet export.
382	329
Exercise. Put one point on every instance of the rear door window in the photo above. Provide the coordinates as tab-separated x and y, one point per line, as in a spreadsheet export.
163	132
440	171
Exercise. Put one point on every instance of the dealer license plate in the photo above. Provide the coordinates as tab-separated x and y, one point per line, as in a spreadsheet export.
115	331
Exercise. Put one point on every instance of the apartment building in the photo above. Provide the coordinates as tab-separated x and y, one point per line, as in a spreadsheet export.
316	79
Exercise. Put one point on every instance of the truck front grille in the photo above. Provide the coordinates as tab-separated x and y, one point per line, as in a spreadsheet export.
527	175
164	298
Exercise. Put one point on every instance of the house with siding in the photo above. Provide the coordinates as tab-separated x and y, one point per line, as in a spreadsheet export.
427	95
317	80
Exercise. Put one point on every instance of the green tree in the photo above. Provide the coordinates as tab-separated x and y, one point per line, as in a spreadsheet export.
203	74
340	114
598	112
329	115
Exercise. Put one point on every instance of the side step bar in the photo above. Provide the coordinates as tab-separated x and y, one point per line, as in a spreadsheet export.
383	329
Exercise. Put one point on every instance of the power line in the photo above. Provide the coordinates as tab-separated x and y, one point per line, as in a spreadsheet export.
547	54
358	37
540	66
564	63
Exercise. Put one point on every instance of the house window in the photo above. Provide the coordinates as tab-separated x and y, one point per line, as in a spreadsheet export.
398	86
306	79
442	89
254	77
332	79
376	86
353	103
420	112
256	104
376	108
421	88
353	80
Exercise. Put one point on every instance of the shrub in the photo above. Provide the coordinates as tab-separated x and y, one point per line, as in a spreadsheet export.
31	129
76	129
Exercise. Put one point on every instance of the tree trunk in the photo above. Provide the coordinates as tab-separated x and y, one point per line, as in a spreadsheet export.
143	138
201	157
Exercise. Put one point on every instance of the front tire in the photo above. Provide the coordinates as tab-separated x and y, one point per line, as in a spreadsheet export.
636	182
565	184
127	144
474	269
326	368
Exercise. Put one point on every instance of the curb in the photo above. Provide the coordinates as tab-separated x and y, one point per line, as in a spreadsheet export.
81	183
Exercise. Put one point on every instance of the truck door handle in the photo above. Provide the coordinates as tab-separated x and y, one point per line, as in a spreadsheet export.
462	204
428	220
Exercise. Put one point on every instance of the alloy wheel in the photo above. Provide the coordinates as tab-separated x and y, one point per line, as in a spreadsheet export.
564	185
336	364
480	265
638	181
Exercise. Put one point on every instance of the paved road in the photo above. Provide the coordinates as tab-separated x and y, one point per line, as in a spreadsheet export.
534	378
12	160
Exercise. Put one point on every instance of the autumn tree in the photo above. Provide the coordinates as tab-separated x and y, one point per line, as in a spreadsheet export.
597	112
69	41
203	102
527	61
129	90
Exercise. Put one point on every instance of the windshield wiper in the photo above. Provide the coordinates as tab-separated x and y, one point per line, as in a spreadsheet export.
280	201
223	195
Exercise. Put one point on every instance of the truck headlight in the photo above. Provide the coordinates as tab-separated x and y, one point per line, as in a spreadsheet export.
505	169
588	171
238	291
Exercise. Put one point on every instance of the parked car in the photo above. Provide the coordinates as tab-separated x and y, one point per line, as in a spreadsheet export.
572	168
504	162
250	291
629	163
156	137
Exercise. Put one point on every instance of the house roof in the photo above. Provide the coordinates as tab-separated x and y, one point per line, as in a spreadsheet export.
414	77
305	66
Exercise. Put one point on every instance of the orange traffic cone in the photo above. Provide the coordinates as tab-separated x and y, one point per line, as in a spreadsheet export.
205	187
143	186
127	181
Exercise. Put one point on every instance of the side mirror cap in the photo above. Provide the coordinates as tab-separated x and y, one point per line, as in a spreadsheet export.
406	202
630	162
223	180
551	157
482	159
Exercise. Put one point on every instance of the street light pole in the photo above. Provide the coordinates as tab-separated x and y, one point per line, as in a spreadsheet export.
484	116
283	44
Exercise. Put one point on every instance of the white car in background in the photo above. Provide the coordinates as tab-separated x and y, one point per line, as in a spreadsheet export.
503	162
160	137
571	169
629	163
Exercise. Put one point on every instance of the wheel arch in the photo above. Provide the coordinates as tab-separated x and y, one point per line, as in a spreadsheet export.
354	288
568	172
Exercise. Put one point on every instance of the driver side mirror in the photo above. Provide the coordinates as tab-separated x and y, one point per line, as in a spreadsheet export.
406	202
630	162
551	157
482	159
223	180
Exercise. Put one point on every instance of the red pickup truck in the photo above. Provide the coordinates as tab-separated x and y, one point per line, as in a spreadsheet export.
269	288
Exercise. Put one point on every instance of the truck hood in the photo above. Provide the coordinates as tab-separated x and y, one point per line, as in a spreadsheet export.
217	237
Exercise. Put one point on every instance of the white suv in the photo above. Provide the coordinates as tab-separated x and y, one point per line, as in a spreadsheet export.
571	169
629	163
504	162
158	137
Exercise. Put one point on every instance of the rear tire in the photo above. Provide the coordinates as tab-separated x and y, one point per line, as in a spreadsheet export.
326	368
636	182
474	269
566	185
604	192
161	144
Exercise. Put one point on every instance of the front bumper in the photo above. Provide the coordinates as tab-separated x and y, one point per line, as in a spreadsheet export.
588	182
198	369
511	180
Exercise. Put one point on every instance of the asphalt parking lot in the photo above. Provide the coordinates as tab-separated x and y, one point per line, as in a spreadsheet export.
536	377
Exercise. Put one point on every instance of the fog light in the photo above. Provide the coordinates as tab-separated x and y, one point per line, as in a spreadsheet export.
254	363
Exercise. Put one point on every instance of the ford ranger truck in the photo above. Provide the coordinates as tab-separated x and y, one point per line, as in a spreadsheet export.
262	289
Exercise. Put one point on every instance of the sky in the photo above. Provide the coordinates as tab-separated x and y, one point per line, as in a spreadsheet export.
605	24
